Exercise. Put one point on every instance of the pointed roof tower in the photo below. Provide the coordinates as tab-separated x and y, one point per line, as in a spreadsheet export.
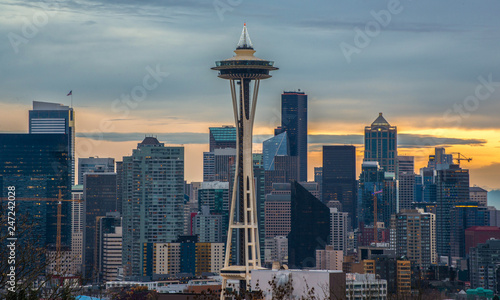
380	121
245	42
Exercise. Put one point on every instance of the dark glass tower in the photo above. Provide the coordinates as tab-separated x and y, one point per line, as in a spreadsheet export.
222	137
50	118
294	122
452	187
310	228
376	187
339	178
99	192
38	165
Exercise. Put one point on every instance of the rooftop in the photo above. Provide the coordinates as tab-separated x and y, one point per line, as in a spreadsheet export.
380	121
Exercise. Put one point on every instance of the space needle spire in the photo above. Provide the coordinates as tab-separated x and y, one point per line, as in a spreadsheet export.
243	70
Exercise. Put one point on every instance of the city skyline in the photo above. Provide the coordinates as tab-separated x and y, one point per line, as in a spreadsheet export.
100	57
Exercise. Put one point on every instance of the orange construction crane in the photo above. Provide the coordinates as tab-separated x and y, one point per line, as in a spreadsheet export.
59	216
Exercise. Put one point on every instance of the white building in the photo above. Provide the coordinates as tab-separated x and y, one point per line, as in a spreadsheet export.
167	258
478	195
338	229
217	255
323	284
365	286
111	254
77	227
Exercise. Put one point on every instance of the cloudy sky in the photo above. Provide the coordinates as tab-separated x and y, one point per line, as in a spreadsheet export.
143	67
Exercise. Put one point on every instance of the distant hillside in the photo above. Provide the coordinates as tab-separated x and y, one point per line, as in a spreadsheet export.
494	198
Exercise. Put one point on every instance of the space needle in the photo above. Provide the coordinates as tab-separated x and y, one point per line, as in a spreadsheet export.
241	70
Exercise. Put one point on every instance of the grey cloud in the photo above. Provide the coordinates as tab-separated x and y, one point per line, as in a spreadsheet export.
168	138
404	140
329	24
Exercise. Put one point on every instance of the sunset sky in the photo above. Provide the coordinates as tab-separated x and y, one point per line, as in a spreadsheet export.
432	68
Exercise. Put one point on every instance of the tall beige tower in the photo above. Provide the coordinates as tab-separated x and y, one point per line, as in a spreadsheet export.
241	70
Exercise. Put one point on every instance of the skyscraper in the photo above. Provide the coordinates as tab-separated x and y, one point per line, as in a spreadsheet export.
38	165
243	68
108	250
275	146
294	122
338	230
416	237
310	227
406	182
50	118
452	187
465	215
483	265
222	137
376	187
99	192
285	171
219	164
77	226
215	196
153	197
339	179
381	144
94	164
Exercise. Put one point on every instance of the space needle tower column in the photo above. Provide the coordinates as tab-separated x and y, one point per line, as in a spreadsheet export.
241	70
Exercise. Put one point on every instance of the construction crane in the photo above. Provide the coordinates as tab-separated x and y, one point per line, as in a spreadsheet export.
460	157
59	201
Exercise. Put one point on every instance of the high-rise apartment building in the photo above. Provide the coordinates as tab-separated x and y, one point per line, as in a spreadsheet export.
208	227
339	179
55	118
338	230
483	265
381	144
294	122
416	237
153	197
94	164
329	259
77	226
